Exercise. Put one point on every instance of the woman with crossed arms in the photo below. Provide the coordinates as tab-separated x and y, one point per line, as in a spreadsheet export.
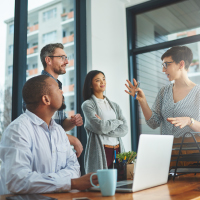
104	124
177	105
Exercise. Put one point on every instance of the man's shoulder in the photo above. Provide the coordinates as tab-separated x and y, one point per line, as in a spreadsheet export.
22	120
21	123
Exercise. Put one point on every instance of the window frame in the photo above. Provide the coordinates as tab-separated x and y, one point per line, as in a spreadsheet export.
20	64
133	51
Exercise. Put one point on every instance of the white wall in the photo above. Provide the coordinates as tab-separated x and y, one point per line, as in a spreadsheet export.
107	49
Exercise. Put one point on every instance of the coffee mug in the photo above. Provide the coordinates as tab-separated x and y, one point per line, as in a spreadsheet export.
107	181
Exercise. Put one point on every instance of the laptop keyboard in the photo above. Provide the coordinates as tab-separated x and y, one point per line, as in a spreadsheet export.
129	186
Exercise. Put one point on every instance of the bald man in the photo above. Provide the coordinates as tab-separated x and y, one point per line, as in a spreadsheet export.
36	153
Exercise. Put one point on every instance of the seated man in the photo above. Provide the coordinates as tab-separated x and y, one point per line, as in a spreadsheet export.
36	154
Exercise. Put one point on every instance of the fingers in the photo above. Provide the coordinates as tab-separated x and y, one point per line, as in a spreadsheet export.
132	88
130	84
178	121
178	124
128	87
95	180
170	119
77	120
135	82
128	93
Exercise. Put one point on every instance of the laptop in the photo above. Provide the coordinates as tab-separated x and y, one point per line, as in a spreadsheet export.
152	165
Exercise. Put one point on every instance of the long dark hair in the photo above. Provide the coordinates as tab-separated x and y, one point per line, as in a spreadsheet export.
87	90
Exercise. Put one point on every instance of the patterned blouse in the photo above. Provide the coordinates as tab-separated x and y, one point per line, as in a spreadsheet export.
164	107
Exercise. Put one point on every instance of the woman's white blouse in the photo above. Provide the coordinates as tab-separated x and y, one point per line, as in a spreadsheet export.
106	113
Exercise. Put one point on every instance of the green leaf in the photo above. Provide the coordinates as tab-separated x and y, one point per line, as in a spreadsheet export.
121	156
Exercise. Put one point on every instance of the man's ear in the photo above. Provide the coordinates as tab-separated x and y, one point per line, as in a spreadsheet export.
182	64
48	60
46	100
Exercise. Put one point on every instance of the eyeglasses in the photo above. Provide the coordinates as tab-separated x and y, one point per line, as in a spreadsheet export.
165	64
62	57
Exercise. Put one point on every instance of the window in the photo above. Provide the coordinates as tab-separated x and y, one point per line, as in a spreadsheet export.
70	56
10	49
72	105
151	77
64	33
35	66
35	44
11	29
71	80
10	69
64	10
49	14
156	30
49	37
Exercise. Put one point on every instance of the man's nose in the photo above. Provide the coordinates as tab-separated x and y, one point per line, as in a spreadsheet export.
66	61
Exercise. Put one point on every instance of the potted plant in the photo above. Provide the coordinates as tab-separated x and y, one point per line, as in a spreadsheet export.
125	165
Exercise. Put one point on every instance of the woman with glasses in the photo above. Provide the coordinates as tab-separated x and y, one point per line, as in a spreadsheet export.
177	105
104	124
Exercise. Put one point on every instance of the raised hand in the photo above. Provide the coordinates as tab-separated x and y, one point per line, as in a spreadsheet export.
133	88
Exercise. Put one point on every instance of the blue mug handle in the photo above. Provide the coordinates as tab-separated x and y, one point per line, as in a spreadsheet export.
92	182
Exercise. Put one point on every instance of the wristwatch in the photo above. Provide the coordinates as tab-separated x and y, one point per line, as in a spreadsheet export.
192	121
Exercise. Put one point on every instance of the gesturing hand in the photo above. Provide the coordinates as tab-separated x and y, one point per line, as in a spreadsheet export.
180	121
76	120
133	88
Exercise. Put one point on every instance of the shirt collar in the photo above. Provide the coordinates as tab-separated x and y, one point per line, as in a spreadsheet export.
38	121
100	100
46	73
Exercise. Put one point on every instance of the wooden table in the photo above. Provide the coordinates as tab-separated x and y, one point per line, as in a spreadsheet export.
183	188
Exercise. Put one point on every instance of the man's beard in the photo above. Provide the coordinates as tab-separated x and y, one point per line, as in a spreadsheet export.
60	71
63	106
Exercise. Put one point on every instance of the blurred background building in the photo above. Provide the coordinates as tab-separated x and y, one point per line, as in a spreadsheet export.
50	23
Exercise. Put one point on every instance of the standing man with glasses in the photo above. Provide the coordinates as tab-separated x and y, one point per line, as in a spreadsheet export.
54	61
177	105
